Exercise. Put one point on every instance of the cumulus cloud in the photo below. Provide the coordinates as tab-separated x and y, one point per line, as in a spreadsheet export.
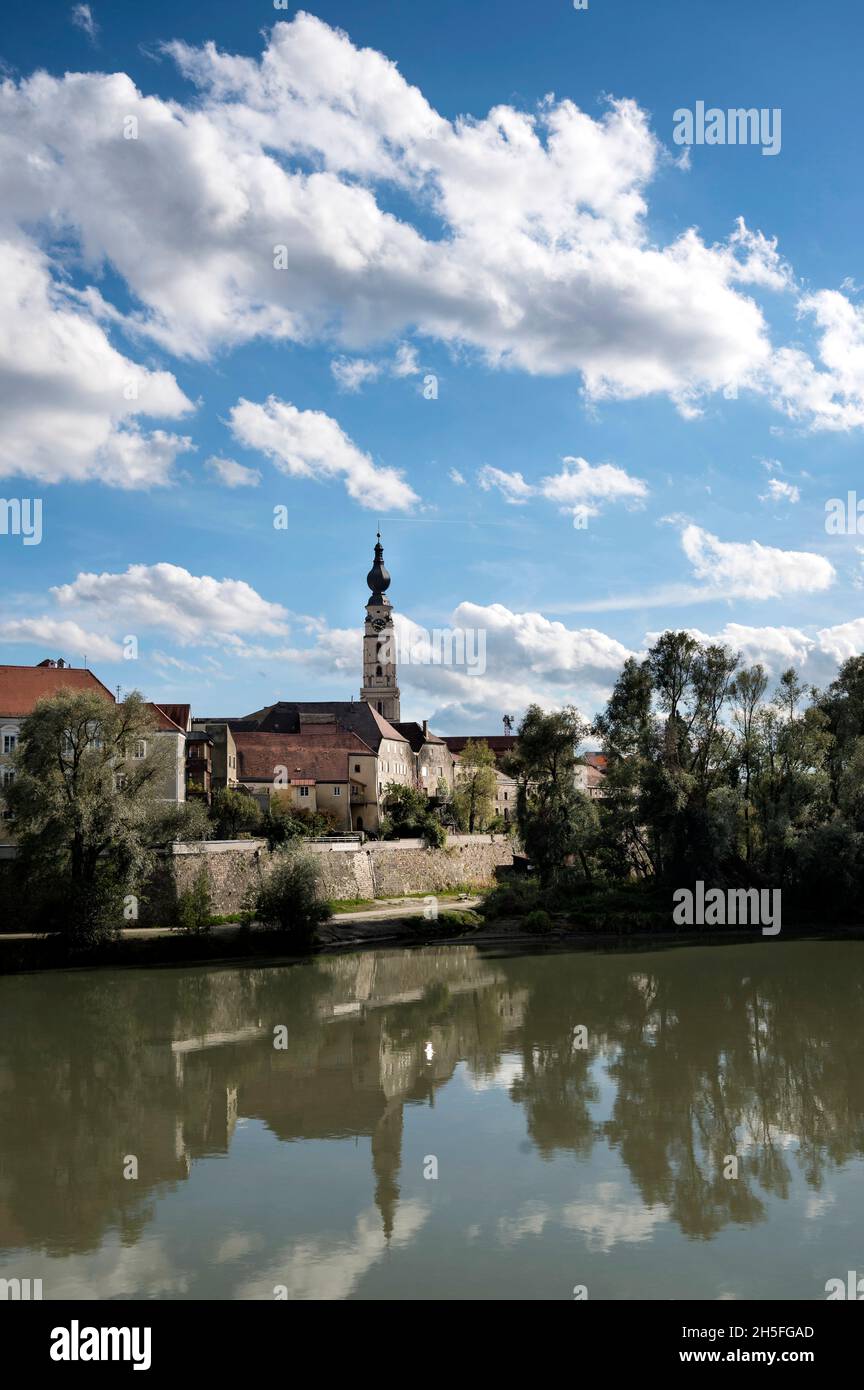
310	444
830	398
232	473
579	488
544	259
62	637
69	399
512	486
195	608
843	640
747	569
775	648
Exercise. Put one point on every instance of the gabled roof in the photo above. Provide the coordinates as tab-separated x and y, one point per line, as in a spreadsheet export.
288	716
178	714
415	735
499	744
22	686
163	720
259	755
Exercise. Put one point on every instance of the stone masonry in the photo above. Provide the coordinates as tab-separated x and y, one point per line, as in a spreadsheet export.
382	869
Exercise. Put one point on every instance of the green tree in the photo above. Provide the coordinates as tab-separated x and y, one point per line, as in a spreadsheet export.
476	785
87	774
234	811
557	822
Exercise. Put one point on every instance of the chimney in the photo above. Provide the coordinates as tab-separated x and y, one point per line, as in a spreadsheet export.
425	728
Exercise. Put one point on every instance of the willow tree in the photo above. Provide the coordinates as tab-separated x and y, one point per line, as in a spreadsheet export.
87	774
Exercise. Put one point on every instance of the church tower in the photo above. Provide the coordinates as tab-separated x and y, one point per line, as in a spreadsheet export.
379	643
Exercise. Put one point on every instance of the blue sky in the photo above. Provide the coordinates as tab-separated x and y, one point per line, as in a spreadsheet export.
648	360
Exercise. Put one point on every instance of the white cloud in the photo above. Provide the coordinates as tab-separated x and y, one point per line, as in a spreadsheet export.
82	17
353	372
61	637
580	486
310	444
194	608
233	474
69	399
778	491
406	362
775	648
736	569
512	486
578	489
544	262
456	477
831	398
843	640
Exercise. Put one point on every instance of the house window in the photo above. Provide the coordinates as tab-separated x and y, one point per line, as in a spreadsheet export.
356	767
8	776
140	748
337	791
9	742
120	781
304	791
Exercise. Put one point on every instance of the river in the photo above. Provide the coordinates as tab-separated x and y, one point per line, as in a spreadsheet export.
439	1124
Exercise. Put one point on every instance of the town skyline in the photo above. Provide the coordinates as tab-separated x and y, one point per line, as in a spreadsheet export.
213	423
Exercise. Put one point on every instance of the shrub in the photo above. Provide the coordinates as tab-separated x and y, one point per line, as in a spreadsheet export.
434	834
461	920
538	922
288	900
194	909
234	810
513	898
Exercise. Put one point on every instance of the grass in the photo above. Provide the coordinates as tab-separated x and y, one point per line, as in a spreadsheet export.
358	904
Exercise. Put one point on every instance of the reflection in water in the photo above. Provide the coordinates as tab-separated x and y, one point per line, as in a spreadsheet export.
257	1165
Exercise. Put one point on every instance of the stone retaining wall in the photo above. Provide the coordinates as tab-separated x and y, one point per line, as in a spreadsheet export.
380	869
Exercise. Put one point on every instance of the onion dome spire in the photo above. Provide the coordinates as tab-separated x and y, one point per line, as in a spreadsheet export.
378	579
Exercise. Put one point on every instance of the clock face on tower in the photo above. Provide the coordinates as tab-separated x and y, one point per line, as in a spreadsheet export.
379	623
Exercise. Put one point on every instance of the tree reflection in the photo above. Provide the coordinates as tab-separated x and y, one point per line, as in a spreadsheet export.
693	1056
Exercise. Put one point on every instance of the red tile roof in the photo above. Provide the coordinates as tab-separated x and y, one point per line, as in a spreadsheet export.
22	686
178	714
163	719
499	744
258	756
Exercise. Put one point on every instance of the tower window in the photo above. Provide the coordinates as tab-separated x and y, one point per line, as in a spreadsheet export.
378	671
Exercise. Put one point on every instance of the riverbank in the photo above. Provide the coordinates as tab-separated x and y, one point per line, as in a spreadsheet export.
389	926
